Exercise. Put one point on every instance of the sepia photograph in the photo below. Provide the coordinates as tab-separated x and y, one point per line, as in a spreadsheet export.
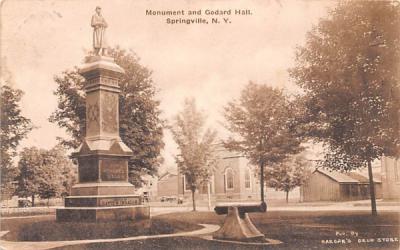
188	124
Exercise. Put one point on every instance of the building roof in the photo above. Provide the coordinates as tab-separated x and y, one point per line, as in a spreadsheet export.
166	175
364	178
349	177
358	177
337	176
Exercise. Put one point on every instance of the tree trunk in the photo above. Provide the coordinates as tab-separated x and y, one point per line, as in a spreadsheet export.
262	183
193	200
33	200
372	189
209	195
287	196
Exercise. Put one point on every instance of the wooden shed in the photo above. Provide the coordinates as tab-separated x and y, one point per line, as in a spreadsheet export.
167	184
324	185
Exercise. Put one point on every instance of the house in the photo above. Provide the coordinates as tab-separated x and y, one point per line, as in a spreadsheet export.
390	168
167	184
324	185
233	179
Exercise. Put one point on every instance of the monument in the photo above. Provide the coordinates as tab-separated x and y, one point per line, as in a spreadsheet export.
103	192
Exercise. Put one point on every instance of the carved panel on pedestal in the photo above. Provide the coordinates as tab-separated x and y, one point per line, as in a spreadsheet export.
88	170
93	115
114	170
109	112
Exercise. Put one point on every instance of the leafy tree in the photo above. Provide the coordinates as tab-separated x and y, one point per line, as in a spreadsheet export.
47	191
287	175
30	173
42	172
195	143
263	127
141	128
14	127
59	172
70	177
348	69
71	109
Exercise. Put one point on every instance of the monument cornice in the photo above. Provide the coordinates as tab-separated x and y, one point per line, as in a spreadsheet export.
91	72
100	86
101	66
101	153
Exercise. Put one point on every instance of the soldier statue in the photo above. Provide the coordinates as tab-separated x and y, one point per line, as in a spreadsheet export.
99	25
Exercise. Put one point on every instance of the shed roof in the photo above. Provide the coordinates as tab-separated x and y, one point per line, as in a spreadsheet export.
349	177
337	176
364	178
166	175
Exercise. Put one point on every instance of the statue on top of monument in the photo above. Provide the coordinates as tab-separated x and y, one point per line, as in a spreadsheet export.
99	25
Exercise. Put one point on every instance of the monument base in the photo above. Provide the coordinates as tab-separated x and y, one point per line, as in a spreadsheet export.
103	201
98	214
102	188
238	227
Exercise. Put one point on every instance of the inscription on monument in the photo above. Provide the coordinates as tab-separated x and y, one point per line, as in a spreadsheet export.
103	202
114	170
113	202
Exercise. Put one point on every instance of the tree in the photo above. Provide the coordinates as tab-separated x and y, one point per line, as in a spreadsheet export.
59	174
262	127
42	172
30	173
141	128
14	127
70	176
287	175
195	143
348	70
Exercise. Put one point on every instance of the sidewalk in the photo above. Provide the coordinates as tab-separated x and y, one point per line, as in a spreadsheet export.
323	206
363	205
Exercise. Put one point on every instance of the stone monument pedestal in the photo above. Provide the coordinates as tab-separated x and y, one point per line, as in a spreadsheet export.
103	192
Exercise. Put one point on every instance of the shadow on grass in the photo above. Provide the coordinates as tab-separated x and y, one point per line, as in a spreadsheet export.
50	230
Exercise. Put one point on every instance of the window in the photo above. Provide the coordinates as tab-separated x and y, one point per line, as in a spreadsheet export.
229	178
364	191
247	178
345	191
204	188
186	185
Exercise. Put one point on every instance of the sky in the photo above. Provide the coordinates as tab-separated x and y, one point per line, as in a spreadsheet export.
210	62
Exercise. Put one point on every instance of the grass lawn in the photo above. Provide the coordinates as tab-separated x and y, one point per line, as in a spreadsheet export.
26	211
45	228
297	230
